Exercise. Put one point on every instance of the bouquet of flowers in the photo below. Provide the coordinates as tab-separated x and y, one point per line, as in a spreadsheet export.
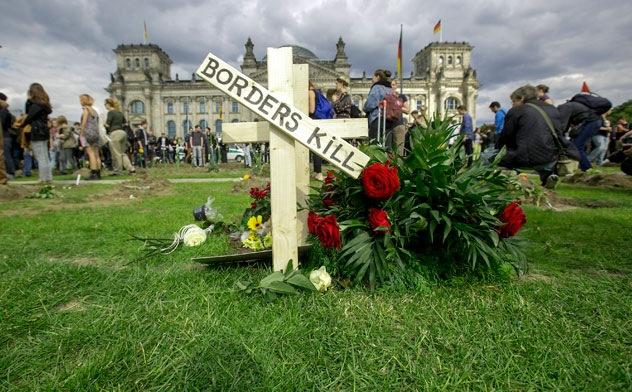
429	211
256	232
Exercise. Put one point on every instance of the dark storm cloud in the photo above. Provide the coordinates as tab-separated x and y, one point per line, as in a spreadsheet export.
67	44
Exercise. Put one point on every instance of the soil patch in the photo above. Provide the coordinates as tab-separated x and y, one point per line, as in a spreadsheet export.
602	180
17	192
568	203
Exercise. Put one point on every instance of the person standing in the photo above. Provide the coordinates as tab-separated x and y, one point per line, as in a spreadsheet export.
67	144
600	141
467	130
142	142
399	125
54	144
381	86
247	154
499	117
162	144
90	135
342	102
119	142
319	109
37	109
6	149
197	147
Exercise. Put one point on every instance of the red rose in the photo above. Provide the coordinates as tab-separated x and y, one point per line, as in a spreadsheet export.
378	219
260	193
328	202
253	205
328	232
380	181
330	177
313	220
513	218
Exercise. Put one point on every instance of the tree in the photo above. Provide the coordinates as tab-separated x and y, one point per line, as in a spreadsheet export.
622	111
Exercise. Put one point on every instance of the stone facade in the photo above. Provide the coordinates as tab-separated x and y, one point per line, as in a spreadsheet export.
442	78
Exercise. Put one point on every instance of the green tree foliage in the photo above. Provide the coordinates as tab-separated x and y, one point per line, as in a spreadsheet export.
622	111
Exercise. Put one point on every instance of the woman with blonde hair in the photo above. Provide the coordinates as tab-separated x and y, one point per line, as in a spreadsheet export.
119	144
37	109
90	135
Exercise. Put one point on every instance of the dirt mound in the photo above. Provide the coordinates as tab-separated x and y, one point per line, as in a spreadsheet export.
16	192
138	187
602	180
567	203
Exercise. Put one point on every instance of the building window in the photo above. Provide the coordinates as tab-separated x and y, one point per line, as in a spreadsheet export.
203	124
137	63
451	103
185	106
458	60
186	125
218	106
137	107
202	105
234	107
356	102
420	103
146	60
128	63
170	107
440	60
171	129
449	60
218	127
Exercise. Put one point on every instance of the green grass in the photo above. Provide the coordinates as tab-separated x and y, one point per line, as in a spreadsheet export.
74	315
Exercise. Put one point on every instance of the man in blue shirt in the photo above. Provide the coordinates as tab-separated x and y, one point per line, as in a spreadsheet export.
499	120
467	129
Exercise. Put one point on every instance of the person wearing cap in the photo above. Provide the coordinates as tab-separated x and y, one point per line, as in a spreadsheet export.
342	102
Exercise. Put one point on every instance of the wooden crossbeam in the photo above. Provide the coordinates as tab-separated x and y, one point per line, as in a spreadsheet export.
259	132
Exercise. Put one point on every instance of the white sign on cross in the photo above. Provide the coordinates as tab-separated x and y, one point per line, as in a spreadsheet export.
288	159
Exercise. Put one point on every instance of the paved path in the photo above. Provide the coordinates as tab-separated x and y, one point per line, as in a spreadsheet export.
113	182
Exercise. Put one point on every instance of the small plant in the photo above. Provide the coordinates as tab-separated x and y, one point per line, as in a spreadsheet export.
45	192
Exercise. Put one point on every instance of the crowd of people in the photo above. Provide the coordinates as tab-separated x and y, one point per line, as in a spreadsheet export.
52	145
535	133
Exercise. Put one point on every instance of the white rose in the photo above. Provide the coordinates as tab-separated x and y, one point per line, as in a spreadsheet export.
320	279
194	236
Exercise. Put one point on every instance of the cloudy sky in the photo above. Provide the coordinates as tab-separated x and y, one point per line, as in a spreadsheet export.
67	44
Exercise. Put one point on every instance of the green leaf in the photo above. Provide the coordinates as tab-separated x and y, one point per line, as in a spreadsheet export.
281	288
289	269
273	277
301	281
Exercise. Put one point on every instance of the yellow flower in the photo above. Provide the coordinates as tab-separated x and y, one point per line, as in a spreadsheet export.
246	177
255	222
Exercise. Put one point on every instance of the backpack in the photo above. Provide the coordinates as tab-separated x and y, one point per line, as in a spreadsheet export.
323	110
355	112
394	105
597	104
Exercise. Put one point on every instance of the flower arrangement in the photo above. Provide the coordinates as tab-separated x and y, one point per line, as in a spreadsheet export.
429	212
256	231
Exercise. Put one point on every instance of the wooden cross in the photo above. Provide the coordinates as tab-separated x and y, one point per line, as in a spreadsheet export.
291	134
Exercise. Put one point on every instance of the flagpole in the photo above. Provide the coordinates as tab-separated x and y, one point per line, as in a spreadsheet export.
441	32
401	60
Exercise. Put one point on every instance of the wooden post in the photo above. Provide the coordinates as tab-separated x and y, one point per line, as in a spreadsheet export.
282	166
301	101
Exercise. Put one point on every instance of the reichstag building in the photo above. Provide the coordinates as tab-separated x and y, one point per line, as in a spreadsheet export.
442	78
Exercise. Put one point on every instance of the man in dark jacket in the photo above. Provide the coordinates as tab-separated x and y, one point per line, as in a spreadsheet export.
527	136
588	123
7	169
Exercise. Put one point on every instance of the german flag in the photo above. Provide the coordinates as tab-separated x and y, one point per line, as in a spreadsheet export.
399	52
437	27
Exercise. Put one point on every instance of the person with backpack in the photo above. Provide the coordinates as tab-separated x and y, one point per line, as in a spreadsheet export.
379	90
584	112
319	109
531	135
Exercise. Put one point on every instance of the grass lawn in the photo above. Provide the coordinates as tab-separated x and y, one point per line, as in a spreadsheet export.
75	314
